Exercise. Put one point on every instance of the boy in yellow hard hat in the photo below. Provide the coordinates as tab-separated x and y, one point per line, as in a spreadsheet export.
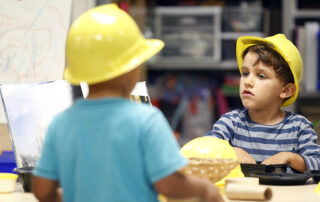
271	69
106	147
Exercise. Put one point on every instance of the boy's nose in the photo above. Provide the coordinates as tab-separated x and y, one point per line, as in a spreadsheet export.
248	81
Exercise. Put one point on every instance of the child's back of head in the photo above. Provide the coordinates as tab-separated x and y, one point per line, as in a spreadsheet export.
104	43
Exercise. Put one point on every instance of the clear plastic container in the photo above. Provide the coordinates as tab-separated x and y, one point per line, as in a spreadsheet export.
235	19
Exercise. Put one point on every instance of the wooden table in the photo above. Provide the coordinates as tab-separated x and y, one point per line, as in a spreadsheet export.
298	193
18	196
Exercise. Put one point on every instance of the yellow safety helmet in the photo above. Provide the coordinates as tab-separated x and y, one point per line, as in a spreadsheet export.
212	147
104	43
285	48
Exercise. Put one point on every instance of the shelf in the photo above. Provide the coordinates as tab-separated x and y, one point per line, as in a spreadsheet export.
232	94
307	14
291	12
315	94
193	65
235	35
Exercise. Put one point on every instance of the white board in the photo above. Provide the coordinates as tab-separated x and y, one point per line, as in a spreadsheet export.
32	42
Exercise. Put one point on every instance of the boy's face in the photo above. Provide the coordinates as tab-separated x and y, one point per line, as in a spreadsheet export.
260	89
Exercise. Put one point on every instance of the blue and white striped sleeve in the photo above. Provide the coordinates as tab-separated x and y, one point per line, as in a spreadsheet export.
308	147
223	128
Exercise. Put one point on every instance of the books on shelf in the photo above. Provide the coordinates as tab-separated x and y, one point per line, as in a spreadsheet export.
311	62
307	41
318	56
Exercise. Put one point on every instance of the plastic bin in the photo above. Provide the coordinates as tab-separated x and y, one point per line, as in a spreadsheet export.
7	162
236	19
191	33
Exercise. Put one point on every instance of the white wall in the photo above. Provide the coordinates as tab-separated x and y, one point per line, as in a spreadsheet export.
80	6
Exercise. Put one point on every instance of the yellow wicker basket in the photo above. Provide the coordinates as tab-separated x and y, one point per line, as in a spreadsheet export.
212	169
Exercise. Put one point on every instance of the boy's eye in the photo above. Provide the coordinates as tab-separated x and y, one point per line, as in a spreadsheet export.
245	73
261	76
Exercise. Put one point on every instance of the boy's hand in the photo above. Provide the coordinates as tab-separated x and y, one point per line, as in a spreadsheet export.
212	193
243	156
279	158
294	160
178	185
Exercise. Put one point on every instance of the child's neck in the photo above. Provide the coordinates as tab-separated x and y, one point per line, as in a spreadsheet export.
267	117
103	93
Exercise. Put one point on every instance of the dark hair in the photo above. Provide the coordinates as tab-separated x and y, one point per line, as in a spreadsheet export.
272	58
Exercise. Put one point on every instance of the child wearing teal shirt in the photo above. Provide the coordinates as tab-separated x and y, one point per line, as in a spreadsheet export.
106	147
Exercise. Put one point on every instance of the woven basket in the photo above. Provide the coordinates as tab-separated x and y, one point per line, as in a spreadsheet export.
212	169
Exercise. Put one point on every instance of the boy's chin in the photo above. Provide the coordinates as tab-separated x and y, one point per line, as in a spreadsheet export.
247	105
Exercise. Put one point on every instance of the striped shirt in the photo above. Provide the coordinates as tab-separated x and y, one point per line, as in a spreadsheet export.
293	134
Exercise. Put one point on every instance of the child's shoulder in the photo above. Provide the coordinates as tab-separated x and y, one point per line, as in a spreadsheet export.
236	113
294	117
137	109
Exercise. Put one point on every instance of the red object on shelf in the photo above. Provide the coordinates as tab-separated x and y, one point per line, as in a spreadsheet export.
124	6
222	103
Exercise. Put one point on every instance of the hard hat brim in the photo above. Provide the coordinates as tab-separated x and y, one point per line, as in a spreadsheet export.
151	47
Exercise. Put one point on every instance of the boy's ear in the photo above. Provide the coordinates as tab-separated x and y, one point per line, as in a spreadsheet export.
288	90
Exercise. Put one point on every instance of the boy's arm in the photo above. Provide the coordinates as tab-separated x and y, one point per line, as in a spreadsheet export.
243	156
307	155
178	185
46	190
221	128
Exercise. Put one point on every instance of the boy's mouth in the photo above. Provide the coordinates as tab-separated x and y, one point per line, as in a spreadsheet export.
247	92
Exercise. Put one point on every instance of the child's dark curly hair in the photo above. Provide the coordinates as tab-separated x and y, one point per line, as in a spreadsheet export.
272	58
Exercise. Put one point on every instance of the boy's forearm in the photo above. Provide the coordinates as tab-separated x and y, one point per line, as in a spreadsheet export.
180	186
46	190
54	197
243	156
294	160
297	162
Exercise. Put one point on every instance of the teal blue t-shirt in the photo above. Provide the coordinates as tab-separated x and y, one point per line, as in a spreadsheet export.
109	150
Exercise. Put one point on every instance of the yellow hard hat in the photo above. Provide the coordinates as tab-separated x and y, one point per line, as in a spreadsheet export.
317	189
285	48
212	147
104	43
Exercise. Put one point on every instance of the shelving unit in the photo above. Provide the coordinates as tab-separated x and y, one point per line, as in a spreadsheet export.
192	35
193	65
172	24
290	13
308	103
235	35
